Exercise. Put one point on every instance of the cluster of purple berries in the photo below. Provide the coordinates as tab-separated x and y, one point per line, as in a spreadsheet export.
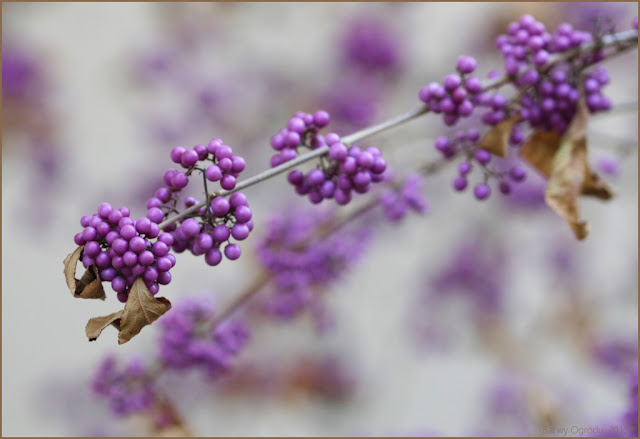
455	97
527	46
188	340
123	249
300	258
550	99
302	130
552	103
211	226
343	171
224	167
466	142
396	202
224	219
129	389
349	170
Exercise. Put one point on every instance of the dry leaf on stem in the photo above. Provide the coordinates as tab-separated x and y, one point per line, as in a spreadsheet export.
90	285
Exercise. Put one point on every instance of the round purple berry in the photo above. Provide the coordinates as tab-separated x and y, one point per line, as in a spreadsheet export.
466	64
481	191
232	251
189	158
518	173
176	154
220	206
213	257
460	183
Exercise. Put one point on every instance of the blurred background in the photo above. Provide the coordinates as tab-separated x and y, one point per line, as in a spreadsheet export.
473	319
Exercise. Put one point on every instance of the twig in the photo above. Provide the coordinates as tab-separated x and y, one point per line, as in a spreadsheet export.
622	41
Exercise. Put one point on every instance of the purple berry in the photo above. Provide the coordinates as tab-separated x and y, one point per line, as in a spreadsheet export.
242	214
89	233
517	173
205	241
321	118
213	173
225	164
232	251
84	221
481	191
220	206
338	151
315	177
176	154
190	227
163	264
189	158
297	125
164	278
213	257
127	232
221	233
160	249
460	183
228	182
146	258
143	225
118	284
92	248
482	156
155	215
240	231
238	164
505	188
167	238
78	239
464	167
130	258
473	85
137	244
451	82
104	210
466	64
238	199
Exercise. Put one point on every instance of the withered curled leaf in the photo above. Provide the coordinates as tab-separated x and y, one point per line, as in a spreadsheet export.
594	186
565	184
496	141
141	310
564	161
90	285
539	150
97	324
70	263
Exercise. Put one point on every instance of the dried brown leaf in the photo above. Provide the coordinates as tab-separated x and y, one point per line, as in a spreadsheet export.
578	128
97	324
539	150
565	184
90	285
564	161
594	186
70	263
496	141
141	310
569	173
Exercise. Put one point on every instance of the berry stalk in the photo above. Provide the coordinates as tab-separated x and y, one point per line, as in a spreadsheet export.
622	41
